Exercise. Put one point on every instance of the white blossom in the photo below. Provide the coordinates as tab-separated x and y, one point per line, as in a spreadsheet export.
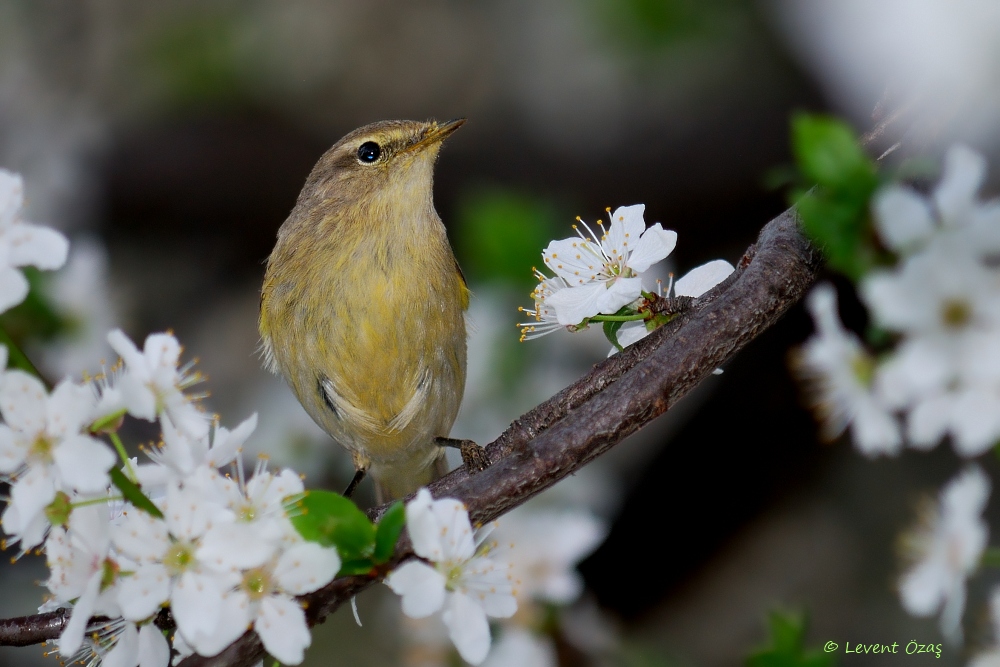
520	648
943	298
83	570
948	549
602	273
153	385
260	525
120	643
461	579
170	567
23	243
991	657
542	316
44	449
544	547
180	454
841	373
265	599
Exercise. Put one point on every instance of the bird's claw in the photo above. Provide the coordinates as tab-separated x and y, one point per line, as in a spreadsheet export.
473	455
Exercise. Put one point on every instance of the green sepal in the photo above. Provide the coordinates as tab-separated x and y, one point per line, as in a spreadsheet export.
611	328
611	333
58	511
388	530
357	566
133	493
109	422
332	520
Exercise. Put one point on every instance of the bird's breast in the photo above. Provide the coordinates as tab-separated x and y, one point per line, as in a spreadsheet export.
385	318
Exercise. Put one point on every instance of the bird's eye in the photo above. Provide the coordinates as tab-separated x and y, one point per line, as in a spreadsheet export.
369	151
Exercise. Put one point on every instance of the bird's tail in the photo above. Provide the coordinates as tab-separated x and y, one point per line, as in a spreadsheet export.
404	482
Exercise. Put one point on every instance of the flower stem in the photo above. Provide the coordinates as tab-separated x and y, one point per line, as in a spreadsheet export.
97	501
18	359
617	318
123	455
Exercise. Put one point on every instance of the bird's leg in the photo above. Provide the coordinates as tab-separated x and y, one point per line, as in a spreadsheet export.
352	487
473	455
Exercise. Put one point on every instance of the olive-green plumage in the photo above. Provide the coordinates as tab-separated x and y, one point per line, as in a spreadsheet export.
362	305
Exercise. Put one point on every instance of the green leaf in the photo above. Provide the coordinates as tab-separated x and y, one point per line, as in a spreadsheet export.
828	152
133	493
388	530
787	630
332	520
835	213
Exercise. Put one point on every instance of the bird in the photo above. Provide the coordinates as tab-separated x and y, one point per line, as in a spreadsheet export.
362	308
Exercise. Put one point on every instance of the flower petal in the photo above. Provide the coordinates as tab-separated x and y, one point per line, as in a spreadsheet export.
13	287
227	443
11	197
154	650
23	401
467	627
421	587
631	332
12	450
69	408
196	603
235	545
125	652
903	217
233	620
576	261
702	278
141	594
627	226
962	176
281	624
30	494
141	537
423	527
306	567
575	304
38	246
655	244
83	463
72	635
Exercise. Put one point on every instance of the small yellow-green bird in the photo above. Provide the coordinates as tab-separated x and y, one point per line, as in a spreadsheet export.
362	307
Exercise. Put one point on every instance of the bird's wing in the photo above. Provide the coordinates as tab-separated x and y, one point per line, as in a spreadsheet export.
416	402
343	409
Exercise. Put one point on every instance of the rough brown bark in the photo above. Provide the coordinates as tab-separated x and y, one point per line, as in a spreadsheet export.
619	396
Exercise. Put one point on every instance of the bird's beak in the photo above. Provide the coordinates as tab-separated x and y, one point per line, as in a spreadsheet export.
437	133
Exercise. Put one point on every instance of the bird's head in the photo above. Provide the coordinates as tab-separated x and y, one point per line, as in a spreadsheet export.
388	165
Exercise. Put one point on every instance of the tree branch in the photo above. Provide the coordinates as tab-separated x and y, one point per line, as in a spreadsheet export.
31	630
614	400
581	422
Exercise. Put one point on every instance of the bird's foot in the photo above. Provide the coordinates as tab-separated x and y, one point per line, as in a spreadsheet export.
473	455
